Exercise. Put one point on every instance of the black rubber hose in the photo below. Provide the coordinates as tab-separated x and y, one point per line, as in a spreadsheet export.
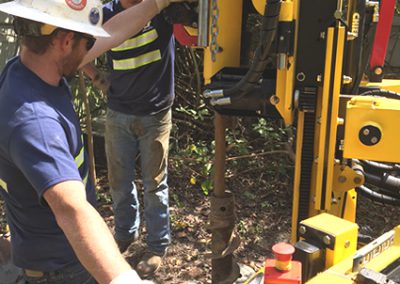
379	197
379	166
382	93
270	23
387	183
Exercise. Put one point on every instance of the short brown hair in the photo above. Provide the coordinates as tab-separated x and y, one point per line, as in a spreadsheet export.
29	33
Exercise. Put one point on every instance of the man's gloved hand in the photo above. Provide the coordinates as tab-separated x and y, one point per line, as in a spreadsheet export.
161	4
129	277
101	81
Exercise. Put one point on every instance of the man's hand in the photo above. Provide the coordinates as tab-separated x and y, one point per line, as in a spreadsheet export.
161	4
101	82
99	78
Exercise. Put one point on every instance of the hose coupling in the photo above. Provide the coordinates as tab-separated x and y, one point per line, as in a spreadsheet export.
220	102
213	94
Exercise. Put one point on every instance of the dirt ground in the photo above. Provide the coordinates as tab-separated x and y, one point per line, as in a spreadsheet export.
263	206
263	217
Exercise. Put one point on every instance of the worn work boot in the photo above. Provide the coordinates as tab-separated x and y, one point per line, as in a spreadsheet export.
150	263
123	245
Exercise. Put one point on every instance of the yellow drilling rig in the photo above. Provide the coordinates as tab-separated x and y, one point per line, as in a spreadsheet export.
319	66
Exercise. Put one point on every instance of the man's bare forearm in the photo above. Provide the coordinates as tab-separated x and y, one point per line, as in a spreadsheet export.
94	245
123	26
86	231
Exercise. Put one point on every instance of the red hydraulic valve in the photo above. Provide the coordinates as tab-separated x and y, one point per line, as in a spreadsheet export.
282	270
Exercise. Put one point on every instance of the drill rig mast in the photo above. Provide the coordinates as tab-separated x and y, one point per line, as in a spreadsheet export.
309	70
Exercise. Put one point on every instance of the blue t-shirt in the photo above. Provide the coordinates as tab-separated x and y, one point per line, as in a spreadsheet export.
142	76
40	145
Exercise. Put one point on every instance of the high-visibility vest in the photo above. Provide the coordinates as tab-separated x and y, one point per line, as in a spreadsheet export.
134	62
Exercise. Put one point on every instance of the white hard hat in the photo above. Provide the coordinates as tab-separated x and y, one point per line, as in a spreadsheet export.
83	16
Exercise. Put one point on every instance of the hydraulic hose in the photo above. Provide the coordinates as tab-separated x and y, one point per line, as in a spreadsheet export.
268	30
389	184
382	93
386	187
269	26
379	167
376	196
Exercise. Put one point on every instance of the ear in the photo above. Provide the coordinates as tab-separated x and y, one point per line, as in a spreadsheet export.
66	41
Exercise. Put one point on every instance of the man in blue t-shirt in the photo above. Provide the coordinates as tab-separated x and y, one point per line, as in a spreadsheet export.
140	96
57	236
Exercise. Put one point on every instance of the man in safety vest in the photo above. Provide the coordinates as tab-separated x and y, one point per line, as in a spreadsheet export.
140	96
56	234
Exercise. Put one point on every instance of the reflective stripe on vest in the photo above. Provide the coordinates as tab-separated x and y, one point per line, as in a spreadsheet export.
135	62
85	179
138	41
3	184
80	158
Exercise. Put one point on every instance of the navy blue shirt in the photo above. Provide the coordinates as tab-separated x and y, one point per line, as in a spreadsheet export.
142	76
40	145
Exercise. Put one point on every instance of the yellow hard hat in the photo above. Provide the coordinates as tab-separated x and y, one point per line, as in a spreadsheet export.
83	16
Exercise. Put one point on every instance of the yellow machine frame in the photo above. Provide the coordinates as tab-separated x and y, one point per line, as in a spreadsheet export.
333	197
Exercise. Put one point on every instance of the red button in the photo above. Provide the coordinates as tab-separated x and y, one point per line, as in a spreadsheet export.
283	251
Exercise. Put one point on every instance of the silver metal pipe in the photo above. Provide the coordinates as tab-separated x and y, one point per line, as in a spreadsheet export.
202	38
340	5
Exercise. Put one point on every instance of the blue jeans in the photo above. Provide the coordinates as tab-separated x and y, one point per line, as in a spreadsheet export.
125	137
75	274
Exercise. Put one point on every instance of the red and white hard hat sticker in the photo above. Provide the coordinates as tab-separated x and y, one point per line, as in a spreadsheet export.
76	4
